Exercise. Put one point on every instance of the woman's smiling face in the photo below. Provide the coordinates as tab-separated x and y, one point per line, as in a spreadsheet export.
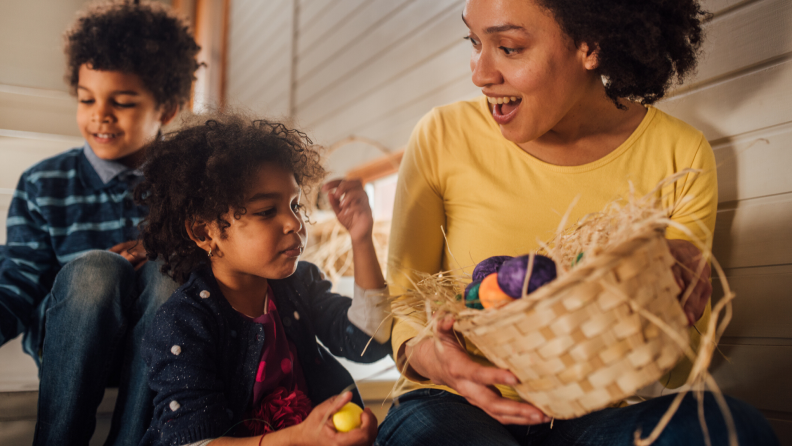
530	71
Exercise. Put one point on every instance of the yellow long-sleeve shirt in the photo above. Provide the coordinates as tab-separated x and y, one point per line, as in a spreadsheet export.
493	198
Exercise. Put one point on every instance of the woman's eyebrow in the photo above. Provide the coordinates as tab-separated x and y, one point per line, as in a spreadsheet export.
499	28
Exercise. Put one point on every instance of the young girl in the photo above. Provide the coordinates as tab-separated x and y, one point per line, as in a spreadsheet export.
233	353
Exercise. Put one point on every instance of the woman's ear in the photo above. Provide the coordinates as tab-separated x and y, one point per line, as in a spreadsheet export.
590	55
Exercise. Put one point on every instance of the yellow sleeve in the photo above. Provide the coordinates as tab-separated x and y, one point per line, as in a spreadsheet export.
697	205
416	241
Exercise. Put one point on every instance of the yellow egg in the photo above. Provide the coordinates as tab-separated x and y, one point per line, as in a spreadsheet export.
347	418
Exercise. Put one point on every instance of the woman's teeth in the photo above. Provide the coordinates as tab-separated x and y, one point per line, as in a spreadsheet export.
502	100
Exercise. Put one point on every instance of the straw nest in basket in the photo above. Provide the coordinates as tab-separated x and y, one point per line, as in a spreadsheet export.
606	327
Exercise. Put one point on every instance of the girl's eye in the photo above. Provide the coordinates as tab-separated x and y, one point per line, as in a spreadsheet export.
472	41
297	207
508	51
267	212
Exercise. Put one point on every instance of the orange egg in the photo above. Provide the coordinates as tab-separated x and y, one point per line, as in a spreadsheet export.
490	293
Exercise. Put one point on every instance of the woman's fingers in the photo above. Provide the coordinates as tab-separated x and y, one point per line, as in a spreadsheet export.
693	271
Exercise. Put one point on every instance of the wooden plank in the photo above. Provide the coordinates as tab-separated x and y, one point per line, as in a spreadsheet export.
311	12
751	101
749	36
400	92
266	57
754	232
763	303
266	83
755	164
757	374
38	114
394	129
357	29
717	6
397	46
326	25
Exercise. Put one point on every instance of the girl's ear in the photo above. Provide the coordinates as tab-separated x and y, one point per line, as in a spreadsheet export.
590	55
199	232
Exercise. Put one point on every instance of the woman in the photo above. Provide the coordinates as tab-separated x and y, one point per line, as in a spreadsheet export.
566	112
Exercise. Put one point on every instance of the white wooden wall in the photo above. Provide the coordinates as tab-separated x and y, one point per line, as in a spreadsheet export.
373	67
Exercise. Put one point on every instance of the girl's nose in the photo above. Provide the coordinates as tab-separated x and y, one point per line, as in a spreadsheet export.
294	223
484	70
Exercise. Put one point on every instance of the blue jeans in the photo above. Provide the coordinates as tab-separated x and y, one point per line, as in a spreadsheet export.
93	324
436	417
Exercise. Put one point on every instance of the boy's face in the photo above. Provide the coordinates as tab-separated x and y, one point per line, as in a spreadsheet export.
268	239
117	114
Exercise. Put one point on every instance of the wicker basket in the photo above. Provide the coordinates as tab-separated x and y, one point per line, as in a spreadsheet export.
583	341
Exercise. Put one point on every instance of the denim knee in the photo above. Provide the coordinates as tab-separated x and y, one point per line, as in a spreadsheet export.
155	287
94	280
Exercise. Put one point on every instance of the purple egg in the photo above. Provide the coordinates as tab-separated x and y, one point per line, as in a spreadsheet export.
489	266
511	274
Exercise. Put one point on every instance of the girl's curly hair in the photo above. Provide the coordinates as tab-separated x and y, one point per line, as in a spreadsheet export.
643	44
203	171
144	39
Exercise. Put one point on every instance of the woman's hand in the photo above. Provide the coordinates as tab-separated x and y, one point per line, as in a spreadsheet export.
351	206
133	251
318	427
447	363
691	270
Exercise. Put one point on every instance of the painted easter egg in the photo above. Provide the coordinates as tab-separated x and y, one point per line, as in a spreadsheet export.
347	418
511	274
490	294
472	295
488	266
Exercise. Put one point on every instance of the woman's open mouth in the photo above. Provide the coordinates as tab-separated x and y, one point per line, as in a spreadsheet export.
504	108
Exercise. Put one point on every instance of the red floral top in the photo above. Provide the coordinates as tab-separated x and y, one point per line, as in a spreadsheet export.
279	393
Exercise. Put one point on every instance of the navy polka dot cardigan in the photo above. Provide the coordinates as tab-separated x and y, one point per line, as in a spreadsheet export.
202	356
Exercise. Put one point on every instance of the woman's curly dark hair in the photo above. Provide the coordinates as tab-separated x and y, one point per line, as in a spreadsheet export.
204	171
144	39
643	44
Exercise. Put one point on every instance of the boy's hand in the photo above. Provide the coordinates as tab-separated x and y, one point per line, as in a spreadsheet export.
318	427
351	206
133	251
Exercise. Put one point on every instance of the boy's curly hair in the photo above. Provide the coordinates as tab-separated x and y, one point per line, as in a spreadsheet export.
144	39
203	171
643	44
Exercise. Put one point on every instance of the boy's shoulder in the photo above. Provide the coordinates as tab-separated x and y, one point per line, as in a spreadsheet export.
62	165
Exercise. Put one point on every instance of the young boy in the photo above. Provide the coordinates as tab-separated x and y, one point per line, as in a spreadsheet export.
73	277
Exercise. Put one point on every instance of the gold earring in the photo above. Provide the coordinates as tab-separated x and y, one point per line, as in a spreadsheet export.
210	252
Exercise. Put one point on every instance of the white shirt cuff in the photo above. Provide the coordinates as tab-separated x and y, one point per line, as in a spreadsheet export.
370	312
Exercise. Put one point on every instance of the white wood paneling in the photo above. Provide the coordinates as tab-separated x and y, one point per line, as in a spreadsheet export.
755	164
755	232
260	40
762	295
43	114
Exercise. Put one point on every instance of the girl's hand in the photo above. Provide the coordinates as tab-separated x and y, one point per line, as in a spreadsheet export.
318	427
351	206
447	363
133	251
691	270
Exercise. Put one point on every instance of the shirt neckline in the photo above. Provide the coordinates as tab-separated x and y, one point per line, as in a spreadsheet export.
651	112
106	169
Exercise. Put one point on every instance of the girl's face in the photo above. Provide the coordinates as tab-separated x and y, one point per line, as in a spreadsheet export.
521	55
267	240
